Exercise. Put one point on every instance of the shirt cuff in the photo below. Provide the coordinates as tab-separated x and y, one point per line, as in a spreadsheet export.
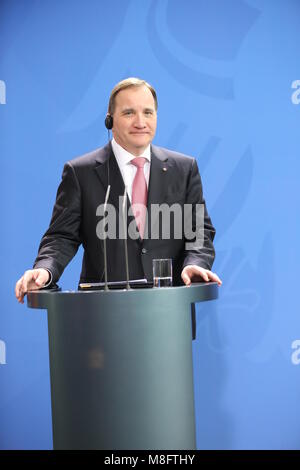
50	279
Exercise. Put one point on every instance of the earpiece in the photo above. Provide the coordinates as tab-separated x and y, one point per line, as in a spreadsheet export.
109	121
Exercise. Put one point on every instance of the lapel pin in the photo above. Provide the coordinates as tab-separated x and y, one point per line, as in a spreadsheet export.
164	168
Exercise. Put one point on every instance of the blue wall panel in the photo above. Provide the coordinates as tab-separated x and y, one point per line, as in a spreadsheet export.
226	76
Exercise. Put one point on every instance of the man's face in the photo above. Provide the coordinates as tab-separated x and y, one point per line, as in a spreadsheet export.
134	119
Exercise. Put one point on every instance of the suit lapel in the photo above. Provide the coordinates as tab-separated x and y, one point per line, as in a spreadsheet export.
158	184
159	176
109	173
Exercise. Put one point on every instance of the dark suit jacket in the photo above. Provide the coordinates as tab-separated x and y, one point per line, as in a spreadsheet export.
174	178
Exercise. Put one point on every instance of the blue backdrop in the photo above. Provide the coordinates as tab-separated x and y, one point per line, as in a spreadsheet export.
227	77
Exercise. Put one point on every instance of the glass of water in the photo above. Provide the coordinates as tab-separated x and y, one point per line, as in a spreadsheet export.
162	272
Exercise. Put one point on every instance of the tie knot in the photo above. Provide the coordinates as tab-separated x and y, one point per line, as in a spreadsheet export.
139	162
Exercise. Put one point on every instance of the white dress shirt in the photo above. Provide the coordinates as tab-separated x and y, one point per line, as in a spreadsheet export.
127	169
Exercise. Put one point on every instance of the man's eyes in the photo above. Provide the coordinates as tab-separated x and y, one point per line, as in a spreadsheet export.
147	112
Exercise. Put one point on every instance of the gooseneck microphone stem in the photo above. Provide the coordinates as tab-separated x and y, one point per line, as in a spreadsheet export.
125	238
104	240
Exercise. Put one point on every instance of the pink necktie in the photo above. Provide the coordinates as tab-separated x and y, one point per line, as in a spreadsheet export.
139	194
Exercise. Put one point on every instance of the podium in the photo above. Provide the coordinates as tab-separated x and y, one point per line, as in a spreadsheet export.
121	366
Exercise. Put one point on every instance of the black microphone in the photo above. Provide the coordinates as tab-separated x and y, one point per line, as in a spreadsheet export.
125	237
104	240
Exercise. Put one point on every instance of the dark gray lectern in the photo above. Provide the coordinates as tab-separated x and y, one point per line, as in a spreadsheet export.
121	367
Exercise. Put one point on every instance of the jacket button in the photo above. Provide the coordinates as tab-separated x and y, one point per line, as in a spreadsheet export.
144	251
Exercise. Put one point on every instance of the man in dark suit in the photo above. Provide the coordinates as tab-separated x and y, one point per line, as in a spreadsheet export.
168	177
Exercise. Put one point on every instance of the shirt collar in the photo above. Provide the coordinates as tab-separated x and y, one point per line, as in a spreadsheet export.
125	157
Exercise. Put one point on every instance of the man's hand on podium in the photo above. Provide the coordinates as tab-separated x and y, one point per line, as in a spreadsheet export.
32	279
194	273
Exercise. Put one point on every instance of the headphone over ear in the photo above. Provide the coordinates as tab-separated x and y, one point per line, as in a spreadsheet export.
109	121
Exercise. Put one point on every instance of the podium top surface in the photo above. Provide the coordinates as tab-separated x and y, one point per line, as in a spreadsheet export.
197	292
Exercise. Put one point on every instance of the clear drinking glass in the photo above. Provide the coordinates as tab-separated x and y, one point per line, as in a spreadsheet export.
162	273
